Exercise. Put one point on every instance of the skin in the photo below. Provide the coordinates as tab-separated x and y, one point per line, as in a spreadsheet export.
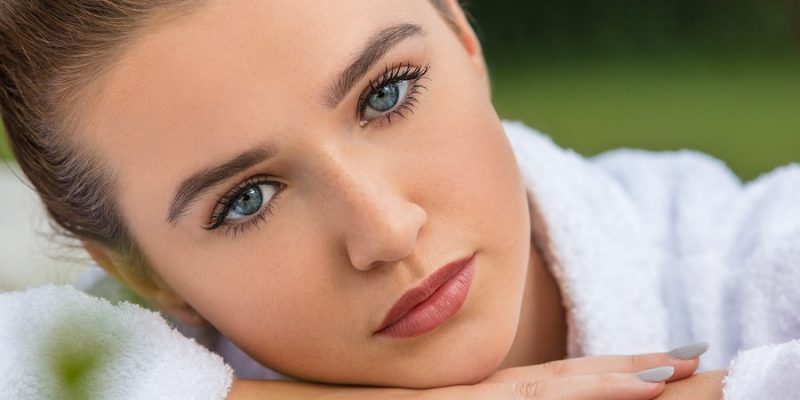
707	385
365	211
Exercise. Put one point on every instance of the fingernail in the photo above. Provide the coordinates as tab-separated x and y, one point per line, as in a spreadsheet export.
689	352
659	374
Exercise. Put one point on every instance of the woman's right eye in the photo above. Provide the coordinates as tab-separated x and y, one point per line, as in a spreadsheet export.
249	202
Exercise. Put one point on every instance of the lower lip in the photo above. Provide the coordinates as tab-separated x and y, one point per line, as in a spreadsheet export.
435	310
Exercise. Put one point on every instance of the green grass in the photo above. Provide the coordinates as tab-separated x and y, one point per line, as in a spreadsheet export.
748	115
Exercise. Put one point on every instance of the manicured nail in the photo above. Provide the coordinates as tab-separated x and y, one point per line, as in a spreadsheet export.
659	374
689	352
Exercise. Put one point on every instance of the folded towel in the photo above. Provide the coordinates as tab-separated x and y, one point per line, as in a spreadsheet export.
59	343
768	372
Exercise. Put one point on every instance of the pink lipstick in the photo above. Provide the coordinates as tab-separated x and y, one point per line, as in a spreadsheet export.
434	301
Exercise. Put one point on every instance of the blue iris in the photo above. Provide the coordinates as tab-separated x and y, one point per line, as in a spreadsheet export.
248	203
385	97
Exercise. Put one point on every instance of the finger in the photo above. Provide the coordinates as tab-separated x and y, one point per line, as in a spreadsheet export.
683	359
611	386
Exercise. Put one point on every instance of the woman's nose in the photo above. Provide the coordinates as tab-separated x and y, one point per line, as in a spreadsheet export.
380	224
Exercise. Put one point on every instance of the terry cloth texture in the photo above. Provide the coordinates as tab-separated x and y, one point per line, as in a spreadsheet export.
656	250
59	343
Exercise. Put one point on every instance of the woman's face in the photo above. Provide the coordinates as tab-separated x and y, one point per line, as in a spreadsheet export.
292	168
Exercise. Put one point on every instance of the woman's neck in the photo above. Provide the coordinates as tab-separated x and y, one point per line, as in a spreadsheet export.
542	331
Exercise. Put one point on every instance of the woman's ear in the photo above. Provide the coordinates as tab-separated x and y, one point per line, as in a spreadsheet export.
465	33
152	288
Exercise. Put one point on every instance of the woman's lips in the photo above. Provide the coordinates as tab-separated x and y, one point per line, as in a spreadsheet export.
428	305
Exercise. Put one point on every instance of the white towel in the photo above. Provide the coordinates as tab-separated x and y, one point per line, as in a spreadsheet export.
656	250
768	372
59	343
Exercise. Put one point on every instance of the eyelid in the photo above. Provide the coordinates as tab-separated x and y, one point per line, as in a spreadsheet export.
392	72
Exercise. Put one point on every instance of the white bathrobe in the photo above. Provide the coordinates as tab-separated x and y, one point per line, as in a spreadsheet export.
656	250
650	250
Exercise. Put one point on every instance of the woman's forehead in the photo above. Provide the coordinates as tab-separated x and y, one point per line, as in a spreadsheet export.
233	74
231	60
280	34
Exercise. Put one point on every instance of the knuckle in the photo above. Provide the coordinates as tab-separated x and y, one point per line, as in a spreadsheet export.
529	391
556	368
637	362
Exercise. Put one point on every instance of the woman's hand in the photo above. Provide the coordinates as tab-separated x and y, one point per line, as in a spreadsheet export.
589	378
598	365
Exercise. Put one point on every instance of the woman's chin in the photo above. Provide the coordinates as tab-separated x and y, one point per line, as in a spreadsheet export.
470	368
425	375
475	374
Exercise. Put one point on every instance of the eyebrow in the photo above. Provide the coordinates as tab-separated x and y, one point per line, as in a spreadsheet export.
202	181
378	45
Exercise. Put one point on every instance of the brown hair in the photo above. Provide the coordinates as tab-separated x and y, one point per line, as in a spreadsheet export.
49	51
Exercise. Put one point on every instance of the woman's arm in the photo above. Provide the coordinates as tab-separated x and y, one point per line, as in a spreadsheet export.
607	377
583	387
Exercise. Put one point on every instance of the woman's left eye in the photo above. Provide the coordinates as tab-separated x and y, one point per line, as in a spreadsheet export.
392	94
385	99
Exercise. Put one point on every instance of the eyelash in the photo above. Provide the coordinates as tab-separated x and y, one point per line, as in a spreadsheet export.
398	73
224	205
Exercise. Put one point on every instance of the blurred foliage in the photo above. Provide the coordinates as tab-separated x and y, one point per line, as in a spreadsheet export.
83	347
745	115
5	151
719	76
555	31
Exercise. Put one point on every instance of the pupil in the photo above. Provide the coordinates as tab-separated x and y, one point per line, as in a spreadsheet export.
385	98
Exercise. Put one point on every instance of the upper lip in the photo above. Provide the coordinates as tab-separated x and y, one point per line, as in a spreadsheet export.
420	293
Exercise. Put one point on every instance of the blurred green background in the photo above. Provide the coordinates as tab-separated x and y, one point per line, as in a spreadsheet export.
4	151
720	76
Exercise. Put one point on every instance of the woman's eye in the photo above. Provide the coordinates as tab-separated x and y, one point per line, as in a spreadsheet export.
250	201
247	206
384	99
393	93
